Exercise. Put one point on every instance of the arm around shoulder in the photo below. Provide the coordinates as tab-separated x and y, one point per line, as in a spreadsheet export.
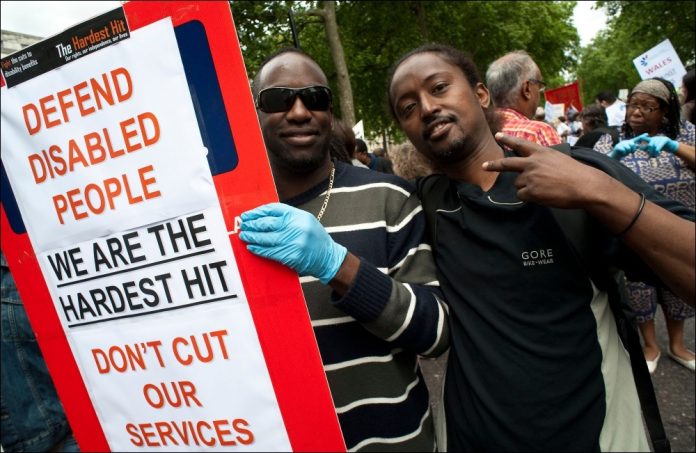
662	239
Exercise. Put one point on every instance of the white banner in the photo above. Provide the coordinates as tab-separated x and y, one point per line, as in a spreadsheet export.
661	61
359	131
552	112
107	164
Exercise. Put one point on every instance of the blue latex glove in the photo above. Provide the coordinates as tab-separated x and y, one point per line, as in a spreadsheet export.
292	237
624	147
654	145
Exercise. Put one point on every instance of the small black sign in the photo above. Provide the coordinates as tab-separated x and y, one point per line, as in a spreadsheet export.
76	42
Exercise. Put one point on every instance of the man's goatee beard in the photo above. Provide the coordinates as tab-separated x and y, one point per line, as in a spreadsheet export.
453	151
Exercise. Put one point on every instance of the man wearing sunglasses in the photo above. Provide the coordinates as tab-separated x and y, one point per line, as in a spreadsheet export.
515	84
356	238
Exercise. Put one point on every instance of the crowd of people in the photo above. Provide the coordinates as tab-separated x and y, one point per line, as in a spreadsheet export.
452	242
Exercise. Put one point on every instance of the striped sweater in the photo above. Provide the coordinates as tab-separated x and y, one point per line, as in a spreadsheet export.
370	339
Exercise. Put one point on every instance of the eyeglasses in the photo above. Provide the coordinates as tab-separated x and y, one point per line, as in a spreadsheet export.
281	99
643	108
541	83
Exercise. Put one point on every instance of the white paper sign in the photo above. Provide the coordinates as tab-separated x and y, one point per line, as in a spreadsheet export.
358	130
661	61
106	161
552	112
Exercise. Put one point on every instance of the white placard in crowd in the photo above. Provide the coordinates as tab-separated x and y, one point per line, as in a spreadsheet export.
553	111
359	131
661	61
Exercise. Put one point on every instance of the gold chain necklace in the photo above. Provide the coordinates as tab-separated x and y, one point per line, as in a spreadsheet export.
328	192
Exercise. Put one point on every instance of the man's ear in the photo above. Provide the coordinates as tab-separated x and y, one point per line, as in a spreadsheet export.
525	90
483	95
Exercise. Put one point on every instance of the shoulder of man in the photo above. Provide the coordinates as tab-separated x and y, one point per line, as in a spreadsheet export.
352	176
434	193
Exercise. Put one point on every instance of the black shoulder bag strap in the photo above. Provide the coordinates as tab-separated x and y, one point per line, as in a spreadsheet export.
576	225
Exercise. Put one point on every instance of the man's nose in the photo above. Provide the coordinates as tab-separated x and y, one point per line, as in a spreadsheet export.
298	111
429	106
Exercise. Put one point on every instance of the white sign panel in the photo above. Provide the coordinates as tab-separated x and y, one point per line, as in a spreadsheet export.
661	61
359	130
552	112
112	180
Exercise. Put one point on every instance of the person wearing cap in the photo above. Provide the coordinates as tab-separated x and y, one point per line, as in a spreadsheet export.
658	146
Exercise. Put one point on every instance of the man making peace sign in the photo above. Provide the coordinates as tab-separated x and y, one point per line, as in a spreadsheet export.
535	362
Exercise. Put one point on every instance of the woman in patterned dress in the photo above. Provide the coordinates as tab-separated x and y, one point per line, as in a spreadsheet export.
659	147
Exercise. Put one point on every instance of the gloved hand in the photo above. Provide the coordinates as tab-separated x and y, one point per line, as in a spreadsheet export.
292	237
654	145
626	147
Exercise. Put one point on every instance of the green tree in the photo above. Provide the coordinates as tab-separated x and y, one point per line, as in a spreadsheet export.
375	34
634	27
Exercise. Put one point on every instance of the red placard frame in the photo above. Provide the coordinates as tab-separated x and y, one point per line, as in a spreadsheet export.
273	292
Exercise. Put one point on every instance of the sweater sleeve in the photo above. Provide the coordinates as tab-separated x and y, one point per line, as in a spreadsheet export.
402	304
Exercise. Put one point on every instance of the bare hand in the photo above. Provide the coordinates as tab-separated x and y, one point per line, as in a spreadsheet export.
547	176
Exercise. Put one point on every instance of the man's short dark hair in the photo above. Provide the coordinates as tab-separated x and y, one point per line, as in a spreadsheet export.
257	78
452	55
360	146
606	96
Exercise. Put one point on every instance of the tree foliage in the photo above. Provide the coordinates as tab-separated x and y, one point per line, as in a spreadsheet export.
375	34
634	27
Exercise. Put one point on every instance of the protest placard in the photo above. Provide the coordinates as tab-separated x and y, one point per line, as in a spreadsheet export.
661	61
129	148
568	95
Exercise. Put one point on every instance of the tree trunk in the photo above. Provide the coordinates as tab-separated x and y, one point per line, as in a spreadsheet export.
419	10
345	92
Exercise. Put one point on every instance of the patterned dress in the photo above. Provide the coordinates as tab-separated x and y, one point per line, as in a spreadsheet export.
671	177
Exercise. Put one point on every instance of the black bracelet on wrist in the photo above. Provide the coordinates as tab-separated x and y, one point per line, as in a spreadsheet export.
635	217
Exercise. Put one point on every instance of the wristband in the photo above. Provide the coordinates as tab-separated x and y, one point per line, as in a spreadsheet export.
635	217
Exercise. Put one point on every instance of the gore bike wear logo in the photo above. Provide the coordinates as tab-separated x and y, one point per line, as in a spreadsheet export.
537	257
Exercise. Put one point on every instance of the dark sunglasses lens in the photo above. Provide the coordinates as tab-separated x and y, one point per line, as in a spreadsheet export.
274	100
316	98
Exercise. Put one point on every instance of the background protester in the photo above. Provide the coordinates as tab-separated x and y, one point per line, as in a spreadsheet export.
659	148
32	415
372	161
540	114
408	163
615	108
575	126
594	127
515	85
562	128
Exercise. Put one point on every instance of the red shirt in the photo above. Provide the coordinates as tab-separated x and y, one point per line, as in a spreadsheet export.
518	125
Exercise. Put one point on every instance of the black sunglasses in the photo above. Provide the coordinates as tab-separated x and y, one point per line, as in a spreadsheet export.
281	99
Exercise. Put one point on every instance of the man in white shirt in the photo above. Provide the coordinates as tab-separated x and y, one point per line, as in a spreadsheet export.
615	108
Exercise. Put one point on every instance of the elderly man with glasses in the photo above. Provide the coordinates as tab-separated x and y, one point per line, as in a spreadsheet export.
356	238
515	84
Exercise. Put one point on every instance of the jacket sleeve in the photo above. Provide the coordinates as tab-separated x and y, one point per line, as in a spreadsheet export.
614	250
402	304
